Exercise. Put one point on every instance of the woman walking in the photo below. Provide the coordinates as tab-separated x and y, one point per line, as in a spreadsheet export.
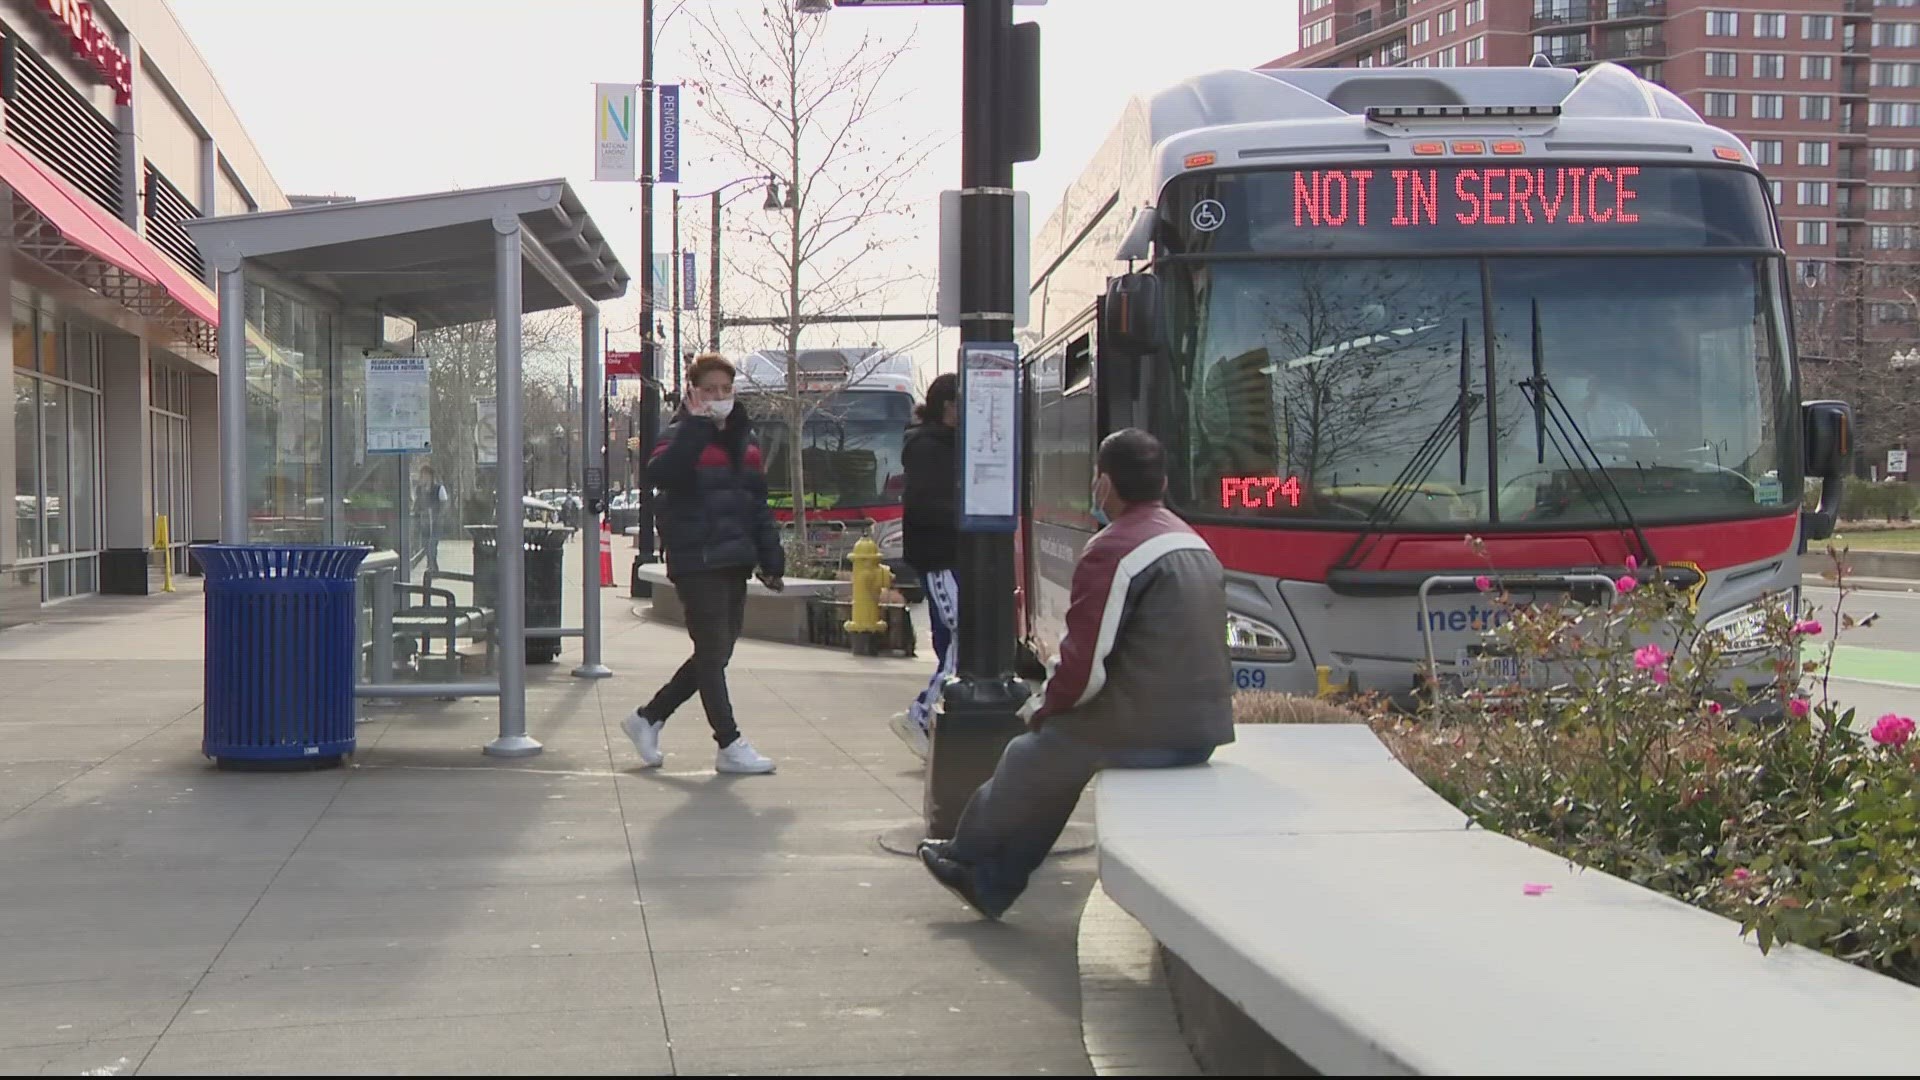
932	545
717	528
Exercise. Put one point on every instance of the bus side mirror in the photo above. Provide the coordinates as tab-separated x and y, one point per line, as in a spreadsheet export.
1134	315
1827	433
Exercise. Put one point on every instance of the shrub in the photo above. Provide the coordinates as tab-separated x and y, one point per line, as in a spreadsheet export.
1890	500
1637	744
1267	707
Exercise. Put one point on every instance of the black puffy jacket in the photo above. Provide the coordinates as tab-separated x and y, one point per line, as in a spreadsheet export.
929	504
712	508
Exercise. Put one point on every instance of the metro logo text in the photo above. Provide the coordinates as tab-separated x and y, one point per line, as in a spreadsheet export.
1493	195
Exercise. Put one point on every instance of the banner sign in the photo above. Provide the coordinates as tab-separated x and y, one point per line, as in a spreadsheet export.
670	134
989	437
615	109
689	275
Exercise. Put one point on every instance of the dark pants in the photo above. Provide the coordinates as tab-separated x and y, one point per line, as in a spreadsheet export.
715	603
1012	821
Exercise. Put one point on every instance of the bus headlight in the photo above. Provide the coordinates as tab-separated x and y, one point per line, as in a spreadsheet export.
1744	629
1252	640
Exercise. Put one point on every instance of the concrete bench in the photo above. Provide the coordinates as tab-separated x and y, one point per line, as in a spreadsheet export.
1316	885
770	616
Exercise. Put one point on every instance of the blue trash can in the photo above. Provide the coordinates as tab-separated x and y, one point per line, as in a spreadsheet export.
281	634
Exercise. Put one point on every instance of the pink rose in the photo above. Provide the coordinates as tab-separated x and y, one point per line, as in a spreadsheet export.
1660	676
1633	563
1649	657
1741	875
1713	708
1626	583
1799	707
1892	730
1483	583
1808	626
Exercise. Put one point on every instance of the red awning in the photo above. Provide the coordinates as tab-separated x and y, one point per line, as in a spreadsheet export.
58	225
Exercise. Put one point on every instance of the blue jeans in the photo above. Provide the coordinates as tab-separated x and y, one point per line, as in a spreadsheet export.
1012	821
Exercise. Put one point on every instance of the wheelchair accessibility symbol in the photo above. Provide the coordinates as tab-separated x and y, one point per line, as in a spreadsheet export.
1209	215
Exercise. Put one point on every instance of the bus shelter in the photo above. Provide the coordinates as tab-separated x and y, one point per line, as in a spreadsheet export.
354	341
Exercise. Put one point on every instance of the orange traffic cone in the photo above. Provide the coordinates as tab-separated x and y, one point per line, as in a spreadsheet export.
606	554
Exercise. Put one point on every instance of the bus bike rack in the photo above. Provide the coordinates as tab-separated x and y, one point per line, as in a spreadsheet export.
1524	581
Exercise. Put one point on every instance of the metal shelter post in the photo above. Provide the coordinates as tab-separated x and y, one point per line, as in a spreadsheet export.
593	382
233	403
511	607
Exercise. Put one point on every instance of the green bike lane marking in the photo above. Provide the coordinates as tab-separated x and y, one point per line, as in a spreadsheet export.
1873	665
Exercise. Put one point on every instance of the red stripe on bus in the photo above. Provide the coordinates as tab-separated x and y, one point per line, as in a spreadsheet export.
1307	555
886	512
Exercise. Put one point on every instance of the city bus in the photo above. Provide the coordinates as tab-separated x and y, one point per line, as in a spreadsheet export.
1373	313
858	405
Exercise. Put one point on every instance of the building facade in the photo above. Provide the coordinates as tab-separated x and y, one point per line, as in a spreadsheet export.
1826	92
115	133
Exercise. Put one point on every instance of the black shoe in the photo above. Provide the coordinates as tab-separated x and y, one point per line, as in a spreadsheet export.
958	878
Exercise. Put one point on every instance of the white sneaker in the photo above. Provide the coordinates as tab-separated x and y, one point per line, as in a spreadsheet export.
645	734
912	734
741	757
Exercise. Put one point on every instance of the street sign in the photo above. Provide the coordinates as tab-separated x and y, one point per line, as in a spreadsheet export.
1896	462
951	239
630	364
689	274
989	437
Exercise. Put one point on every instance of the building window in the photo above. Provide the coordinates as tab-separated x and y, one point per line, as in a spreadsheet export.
1769	26
1476	50
1448	21
1449	57
1816	108
1769	66
1896	159
1893	114
1896	34
57	482
1816	27
1816	153
1317	34
1811	232
1890	237
1767	151
1723	65
1723	24
1816	67
1894	198
1779	191
1893	74
1722	105
1815	193
1422	30
1476	10
1769	106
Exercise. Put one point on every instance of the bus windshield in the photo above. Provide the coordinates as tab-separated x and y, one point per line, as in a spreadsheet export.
1311	389
851	448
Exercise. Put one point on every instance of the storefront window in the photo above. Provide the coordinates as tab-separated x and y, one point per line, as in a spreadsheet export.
23	337
26	463
57	495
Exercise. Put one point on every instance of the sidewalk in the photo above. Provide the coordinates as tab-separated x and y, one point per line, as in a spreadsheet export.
428	909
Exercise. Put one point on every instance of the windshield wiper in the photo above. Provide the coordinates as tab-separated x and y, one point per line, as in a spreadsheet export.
1566	433
1457	423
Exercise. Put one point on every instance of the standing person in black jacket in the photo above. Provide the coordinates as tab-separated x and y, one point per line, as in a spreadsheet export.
932	544
717	528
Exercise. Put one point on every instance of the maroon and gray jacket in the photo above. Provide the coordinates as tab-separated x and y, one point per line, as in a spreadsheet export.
1143	664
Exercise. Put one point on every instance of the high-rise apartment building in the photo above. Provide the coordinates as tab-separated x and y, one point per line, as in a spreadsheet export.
1826	92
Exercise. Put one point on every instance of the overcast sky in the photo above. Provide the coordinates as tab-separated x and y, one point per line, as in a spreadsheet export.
376	98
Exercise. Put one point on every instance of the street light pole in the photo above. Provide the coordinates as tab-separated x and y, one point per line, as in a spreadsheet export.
980	706
673	301
649	419
713	279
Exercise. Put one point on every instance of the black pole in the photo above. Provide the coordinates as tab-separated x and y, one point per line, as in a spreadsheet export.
674	300
713	281
649	418
979	712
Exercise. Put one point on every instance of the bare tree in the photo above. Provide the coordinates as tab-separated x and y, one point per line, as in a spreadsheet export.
778	99
1857	328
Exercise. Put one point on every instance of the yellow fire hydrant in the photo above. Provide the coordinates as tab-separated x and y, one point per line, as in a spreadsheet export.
870	579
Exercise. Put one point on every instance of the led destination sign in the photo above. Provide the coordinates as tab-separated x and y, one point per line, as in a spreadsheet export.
1482	205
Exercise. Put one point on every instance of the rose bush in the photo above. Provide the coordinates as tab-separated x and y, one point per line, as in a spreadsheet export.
1642	746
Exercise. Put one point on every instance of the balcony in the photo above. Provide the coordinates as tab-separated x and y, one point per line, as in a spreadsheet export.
1368	22
1855	47
1850	209
1856	7
1589	12
1630	48
1566	55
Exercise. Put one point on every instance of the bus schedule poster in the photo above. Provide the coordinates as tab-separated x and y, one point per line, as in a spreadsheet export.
989	437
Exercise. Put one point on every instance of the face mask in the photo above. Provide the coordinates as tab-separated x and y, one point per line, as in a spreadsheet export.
1099	512
720	408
